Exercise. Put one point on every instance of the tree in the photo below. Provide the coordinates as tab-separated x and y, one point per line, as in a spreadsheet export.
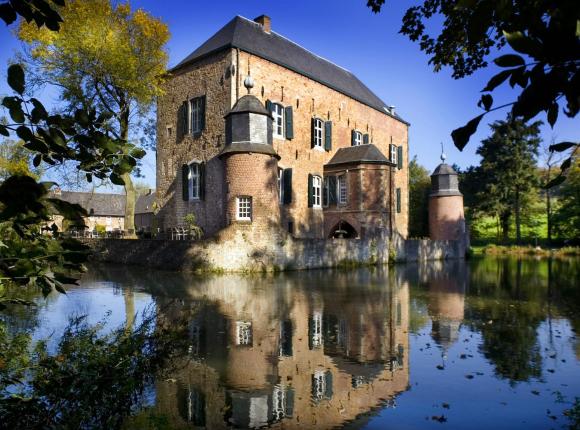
107	57
545	36
15	159
419	188
567	214
508	171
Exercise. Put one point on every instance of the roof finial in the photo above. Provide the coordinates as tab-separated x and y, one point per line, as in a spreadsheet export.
249	83
443	156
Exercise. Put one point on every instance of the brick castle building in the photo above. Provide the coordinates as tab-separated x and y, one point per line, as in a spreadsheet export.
255	132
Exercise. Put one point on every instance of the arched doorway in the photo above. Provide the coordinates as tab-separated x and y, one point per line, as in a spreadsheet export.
343	230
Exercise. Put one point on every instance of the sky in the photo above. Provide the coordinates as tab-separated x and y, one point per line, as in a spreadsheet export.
369	45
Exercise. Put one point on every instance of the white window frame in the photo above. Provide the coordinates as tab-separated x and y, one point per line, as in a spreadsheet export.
316	192
341	191
194	181
244	208
195	119
244	333
278	120
318	133
358	138
394	154
319	381
279	402
316	330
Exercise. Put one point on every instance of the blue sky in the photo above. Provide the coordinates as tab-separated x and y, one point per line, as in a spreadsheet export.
350	35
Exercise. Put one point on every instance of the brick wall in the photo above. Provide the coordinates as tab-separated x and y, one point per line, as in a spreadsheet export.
446	218
253	175
312	99
209	77
272	82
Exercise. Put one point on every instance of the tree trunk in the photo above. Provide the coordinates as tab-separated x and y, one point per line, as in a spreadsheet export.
505	226
518	220
549	206
130	192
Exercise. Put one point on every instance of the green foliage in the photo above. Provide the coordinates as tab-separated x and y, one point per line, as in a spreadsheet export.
27	256
419	188
101	229
15	159
195	231
93	380
507	179
567	213
543	36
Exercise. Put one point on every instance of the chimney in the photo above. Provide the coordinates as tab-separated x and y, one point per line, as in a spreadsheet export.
265	22
392	109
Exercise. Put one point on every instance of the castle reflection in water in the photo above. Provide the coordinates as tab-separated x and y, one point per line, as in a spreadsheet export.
282	352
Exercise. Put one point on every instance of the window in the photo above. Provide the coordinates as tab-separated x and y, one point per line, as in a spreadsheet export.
357	138
244	211
278	120
318	385
196	109
243	333
318	130
280	185
342	189
393	153
316	330
317	191
194	181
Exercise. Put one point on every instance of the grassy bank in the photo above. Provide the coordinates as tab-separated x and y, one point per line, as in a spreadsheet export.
567	251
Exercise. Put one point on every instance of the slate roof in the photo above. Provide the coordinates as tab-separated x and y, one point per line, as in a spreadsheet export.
249	36
102	204
243	148
368	154
444	169
144	203
249	103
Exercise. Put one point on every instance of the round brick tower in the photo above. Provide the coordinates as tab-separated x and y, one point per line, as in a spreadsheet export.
446	216
251	165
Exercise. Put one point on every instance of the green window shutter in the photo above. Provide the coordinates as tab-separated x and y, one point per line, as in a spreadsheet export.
269	106
366	139
352	137
399	157
185	182
328	382
332	190
398	191
182	119
328	135
325	192
289	122
289	402
312	132
202	181
310	191
202	113
287	186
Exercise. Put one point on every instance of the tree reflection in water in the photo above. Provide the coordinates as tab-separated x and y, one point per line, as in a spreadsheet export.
323	349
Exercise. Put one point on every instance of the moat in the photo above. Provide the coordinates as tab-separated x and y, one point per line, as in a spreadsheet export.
487	343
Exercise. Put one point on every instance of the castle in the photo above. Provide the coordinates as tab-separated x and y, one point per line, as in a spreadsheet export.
255	133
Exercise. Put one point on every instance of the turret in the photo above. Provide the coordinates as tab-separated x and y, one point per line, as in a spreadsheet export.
446	216
251	163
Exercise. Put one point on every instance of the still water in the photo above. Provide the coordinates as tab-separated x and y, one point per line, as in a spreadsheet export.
489	343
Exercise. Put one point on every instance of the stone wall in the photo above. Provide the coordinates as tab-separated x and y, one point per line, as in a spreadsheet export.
236	250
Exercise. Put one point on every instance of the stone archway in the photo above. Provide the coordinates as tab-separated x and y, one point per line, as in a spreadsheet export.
343	230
